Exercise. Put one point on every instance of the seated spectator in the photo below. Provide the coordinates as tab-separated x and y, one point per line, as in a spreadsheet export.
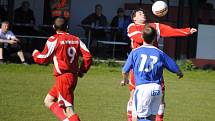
7	37
94	20
121	21
23	14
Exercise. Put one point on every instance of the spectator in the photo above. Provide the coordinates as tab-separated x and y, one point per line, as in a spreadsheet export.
96	19
121	21
7	37
24	14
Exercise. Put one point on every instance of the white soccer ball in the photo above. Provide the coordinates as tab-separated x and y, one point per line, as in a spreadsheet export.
159	8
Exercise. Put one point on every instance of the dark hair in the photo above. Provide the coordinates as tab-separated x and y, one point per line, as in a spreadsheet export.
25	2
98	5
60	24
133	13
148	34
120	10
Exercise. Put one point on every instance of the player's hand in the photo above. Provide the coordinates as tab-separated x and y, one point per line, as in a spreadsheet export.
34	52
12	42
193	30
124	82
180	74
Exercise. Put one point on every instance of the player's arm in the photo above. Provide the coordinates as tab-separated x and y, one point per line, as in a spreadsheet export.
171	65
168	31
125	70
134	34
87	59
47	53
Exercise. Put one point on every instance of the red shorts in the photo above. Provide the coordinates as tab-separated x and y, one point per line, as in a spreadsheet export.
132	84
63	88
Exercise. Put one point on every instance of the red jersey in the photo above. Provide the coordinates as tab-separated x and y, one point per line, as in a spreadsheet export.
64	49
135	33
162	30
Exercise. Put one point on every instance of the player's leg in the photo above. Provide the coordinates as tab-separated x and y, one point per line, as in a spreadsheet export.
141	103
148	101
66	85
131	88
160	114
129	105
55	107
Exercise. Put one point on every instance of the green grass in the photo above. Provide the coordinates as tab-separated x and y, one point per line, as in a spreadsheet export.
98	96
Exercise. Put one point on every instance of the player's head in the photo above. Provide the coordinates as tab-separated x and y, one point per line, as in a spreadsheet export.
138	16
5	26
25	5
149	34
98	9
60	24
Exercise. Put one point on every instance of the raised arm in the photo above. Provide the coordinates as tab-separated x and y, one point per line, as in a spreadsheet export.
168	31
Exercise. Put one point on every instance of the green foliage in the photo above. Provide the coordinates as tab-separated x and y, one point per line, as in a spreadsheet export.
108	63
186	65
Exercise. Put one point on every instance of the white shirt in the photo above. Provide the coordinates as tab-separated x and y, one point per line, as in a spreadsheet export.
8	35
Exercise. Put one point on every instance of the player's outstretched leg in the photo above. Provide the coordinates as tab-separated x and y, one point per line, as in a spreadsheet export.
71	114
55	107
160	115
74	118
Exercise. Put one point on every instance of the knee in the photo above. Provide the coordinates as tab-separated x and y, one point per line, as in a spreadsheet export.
48	101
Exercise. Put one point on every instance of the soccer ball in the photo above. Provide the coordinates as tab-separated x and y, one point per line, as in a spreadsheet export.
159	8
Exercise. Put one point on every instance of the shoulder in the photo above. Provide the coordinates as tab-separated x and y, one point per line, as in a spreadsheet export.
9	33
131	25
53	38
18	9
103	16
115	17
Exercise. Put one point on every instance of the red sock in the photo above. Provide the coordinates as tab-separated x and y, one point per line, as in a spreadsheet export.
74	118
58	111
129	110
159	117
129	114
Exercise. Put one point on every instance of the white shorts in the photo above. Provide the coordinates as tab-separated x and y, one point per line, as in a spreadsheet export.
146	100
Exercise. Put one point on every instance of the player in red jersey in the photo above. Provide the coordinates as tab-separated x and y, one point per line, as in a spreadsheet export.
135	33
64	49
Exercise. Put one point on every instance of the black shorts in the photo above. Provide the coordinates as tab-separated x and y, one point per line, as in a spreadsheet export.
1	45
14	48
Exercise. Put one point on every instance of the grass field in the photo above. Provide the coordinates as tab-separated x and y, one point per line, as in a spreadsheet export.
98	96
